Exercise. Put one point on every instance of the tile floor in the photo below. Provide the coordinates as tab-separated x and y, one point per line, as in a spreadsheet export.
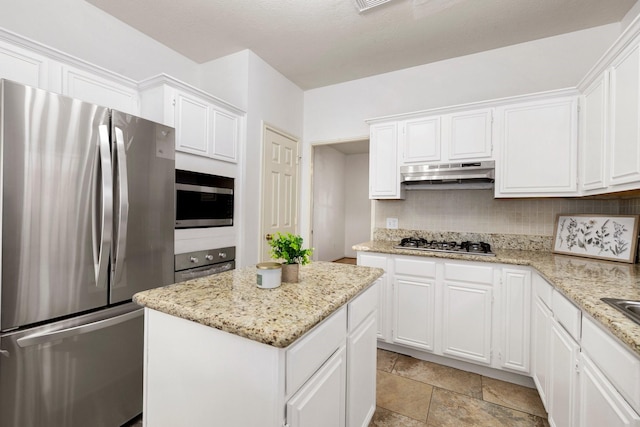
415	393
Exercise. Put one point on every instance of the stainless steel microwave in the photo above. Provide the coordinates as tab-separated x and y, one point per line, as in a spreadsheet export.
203	200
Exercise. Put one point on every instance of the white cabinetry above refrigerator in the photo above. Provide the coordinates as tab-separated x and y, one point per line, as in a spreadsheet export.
205	126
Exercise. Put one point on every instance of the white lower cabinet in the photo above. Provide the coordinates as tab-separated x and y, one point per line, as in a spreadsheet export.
540	338
414	296
321	401
515	296
563	376
361	377
600	403
466	321
467	306
379	261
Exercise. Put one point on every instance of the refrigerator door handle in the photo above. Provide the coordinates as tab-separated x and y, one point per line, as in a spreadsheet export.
101	253
123	208
44	337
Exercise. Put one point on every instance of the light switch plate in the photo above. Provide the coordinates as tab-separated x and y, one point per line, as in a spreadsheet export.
392	223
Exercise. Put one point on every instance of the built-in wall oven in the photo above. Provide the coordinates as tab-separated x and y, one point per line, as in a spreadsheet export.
203	200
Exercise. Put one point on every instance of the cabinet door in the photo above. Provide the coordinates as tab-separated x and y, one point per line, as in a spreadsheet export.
469	135
466	322
538	145
361	380
594	136
413	312
320	402
192	125
600	402
23	66
379	261
89	87
384	175
516	319
563	377
421	142
625	110
225	136
540	351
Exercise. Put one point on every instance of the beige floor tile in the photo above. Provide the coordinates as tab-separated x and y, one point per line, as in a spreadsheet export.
439	376
512	396
402	395
386	360
450	409
385	418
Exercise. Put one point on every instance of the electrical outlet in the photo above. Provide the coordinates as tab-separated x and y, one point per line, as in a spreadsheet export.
392	223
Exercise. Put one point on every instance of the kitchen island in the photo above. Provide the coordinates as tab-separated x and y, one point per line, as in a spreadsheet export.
221	351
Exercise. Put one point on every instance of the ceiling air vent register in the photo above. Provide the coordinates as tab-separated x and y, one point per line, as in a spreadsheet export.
364	5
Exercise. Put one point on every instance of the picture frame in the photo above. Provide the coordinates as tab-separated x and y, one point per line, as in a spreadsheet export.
606	237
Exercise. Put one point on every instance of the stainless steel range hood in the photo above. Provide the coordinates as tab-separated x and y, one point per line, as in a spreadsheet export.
471	175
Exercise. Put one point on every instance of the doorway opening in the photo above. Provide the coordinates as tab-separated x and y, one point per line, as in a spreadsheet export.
341	209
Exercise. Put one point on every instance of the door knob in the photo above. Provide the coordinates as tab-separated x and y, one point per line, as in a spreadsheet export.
268	237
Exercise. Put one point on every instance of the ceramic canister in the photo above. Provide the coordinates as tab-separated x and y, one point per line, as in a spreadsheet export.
269	275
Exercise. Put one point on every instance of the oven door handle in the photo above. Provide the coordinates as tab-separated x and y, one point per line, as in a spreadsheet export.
201	189
195	273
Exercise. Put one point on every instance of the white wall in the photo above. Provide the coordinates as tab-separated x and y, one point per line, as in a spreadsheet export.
77	28
338	112
357	208
329	185
247	81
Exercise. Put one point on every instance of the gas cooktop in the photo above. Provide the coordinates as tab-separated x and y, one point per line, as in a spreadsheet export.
470	248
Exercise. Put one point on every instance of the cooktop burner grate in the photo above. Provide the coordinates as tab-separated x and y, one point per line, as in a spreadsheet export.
466	247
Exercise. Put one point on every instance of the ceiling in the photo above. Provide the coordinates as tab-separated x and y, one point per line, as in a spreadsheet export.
316	43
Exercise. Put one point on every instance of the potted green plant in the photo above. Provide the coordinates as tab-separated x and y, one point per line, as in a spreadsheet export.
288	247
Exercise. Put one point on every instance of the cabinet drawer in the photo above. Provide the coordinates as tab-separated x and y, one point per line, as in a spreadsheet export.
468	273
542	289
618	364
415	267
362	306
312	350
567	314
377	261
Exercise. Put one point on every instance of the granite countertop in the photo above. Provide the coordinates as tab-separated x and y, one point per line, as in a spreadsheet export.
584	281
232	302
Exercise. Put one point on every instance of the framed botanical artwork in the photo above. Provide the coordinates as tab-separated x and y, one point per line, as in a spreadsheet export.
608	237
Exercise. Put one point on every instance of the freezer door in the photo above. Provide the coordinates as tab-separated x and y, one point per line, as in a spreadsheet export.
56	205
144	213
82	372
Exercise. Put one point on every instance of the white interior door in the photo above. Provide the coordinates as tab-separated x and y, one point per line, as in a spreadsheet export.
279	186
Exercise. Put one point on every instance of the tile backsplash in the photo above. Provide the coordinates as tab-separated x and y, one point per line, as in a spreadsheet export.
477	211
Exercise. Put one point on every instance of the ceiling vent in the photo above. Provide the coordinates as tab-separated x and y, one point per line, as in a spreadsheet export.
364	5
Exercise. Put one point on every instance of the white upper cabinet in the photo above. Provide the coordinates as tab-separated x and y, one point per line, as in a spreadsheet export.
469	135
384	175
23	66
192	124
538	148
460	136
625	113
594	140
205	126
118	93
421	140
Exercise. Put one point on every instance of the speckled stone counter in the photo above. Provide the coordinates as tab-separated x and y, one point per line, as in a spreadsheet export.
232	302
583	281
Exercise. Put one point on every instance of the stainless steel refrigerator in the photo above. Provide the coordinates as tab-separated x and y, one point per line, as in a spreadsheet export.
87	213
